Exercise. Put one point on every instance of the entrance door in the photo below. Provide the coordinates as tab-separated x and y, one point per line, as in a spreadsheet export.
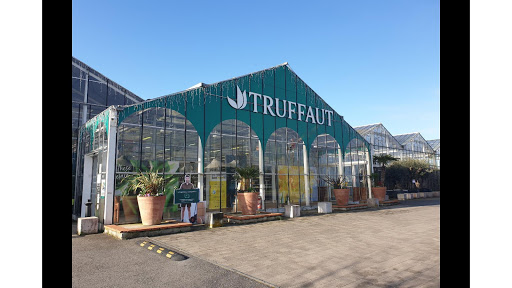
93	185
100	185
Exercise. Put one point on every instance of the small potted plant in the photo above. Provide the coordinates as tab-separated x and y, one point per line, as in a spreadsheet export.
247	197
340	189
151	198
378	189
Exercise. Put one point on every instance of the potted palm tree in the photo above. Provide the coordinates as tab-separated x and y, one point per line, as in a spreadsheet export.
247	197
340	189
378	189
129	191
383	159
151	197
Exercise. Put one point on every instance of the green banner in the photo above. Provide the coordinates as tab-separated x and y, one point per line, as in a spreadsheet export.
186	196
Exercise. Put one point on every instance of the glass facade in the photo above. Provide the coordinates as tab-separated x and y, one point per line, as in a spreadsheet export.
232	143
416	147
381	140
405	146
270	120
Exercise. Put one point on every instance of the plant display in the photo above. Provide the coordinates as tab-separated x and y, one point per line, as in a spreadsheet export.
340	190
133	184
339	182
245	175
149	184
151	198
127	185
248	201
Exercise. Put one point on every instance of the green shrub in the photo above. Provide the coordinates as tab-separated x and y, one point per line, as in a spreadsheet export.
399	175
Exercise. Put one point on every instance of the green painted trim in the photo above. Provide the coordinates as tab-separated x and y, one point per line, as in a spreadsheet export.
91	125
201	107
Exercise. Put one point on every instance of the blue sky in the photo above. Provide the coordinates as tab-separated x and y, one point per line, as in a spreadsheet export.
372	61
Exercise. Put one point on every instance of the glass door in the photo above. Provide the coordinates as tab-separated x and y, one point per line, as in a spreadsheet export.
97	189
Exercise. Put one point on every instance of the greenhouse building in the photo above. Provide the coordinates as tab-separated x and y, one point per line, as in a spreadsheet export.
404	146
410	146
270	120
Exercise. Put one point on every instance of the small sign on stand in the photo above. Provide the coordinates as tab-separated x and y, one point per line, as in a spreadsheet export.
187	199
186	196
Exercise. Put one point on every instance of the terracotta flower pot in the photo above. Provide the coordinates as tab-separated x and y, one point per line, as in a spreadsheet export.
130	208
151	209
248	202
341	196
379	193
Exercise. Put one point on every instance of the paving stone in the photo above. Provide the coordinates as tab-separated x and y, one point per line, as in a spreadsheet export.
393	246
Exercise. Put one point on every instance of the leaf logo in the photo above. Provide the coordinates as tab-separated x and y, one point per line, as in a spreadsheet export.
241	99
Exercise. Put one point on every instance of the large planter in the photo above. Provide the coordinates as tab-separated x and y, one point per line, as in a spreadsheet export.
151	209
130	208
341	196
248	202
379	193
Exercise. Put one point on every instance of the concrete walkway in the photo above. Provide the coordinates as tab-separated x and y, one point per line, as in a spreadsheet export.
397	246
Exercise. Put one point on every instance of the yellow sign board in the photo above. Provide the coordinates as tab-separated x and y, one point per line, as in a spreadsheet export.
217	191
291	183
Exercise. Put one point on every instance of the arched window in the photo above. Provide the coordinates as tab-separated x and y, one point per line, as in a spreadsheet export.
155	139
284	168
325	160
355	165
231	144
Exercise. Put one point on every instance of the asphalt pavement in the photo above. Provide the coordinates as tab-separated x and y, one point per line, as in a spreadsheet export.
99	260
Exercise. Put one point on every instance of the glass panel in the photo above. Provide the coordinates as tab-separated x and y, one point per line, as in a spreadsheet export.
114	97
284	159
227	147
128	154
95	110
129	101
78	84
75	115
97	91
